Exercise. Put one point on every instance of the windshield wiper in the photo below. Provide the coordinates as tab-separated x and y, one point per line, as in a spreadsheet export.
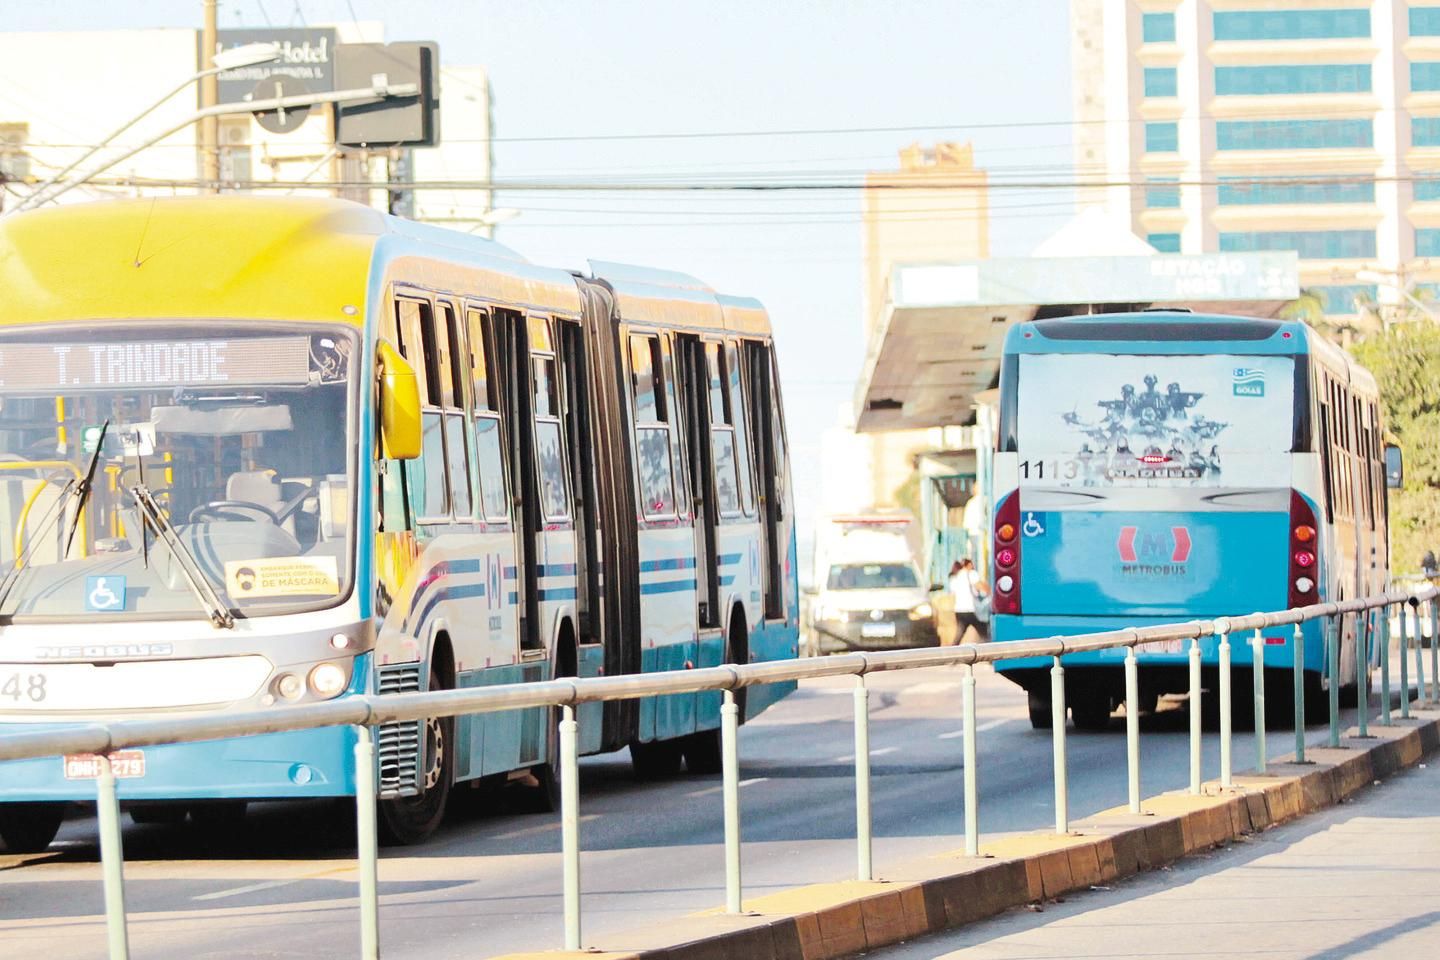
200	584
82	493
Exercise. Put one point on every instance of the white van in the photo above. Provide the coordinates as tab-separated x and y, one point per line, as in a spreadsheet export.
872	596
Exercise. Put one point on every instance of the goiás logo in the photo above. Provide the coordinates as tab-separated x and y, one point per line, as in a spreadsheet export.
1153	555
1248	382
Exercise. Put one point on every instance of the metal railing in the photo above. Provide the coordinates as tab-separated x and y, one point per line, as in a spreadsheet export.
366	712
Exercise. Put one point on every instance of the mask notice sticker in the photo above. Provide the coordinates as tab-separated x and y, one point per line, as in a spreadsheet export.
282	577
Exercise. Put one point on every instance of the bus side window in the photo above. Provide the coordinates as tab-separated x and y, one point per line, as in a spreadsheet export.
652	431
739	406
489	447
457	452
722	432
549	449
428	497
672	418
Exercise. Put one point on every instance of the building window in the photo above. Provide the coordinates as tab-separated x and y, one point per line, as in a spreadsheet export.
1157	27
1160	81
1427	186
1309	244
1427	242
1292	134
1340	298
1302	188
14	156
1425	131
1308	78
1293	24
1425	21
1164	242
1157	195
1162	137
1425	76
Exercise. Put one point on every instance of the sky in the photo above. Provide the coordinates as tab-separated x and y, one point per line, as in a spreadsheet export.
586	89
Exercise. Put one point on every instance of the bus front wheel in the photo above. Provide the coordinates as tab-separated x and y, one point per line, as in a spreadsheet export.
1040	716
29	827
407	820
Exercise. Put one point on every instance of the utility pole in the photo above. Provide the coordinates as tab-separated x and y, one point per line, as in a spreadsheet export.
209	96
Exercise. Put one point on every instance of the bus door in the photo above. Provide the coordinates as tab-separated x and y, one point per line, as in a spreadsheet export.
516	391
770	472
694	381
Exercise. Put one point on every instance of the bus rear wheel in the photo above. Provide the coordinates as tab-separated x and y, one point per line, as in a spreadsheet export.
29	827
1040	714
408	820
657	760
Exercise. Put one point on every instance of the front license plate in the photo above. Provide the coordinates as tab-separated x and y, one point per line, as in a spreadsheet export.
127	764
877	629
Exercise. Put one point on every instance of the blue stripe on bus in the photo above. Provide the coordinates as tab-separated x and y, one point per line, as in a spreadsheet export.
671	563
558	593
555	570
727	579
726	559
436	575
449	593
667	586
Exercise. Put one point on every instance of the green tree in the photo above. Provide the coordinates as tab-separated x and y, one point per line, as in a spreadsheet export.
1405	360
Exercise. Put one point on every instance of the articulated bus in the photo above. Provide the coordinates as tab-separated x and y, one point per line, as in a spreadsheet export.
257	452
1165	466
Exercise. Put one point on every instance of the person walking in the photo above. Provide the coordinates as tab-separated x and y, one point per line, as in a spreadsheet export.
968	591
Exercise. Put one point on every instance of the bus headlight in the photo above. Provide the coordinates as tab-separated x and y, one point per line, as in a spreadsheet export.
327	680
832	615
922	612
289	686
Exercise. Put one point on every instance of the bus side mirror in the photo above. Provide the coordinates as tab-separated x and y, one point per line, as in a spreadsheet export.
399	405
1394	467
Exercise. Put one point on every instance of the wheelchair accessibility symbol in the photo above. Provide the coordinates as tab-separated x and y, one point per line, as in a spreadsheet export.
1033	525
104	594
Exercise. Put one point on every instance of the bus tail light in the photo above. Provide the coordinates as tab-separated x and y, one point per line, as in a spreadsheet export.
1005	598
1304	545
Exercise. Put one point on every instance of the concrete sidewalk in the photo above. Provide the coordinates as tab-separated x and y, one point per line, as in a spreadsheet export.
1361	879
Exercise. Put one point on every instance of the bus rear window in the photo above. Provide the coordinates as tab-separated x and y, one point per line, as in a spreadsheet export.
1096	420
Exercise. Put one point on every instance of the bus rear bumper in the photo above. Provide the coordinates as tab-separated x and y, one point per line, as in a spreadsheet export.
274	766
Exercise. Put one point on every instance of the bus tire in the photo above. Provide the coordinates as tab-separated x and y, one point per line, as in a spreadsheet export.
544	796
408	820
29	827
657	760
703	752
1090	710
1041	717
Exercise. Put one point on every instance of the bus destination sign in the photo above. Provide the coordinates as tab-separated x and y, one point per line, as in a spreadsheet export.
62	367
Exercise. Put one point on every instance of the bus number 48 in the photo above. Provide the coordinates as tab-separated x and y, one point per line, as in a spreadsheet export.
18	687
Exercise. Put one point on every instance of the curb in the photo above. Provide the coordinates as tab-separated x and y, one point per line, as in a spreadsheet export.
832	920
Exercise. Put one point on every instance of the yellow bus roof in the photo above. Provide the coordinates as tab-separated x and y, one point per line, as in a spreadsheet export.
225	257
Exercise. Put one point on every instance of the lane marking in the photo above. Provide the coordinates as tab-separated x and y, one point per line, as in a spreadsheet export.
542	828
980	728
746	783
884	750
248	888
713	790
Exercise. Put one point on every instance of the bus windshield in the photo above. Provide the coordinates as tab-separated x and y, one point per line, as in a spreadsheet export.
1106	420
239	435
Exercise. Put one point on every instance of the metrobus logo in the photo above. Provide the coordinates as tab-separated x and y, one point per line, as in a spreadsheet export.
1153	553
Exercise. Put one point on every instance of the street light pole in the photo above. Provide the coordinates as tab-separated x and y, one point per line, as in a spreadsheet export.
209	96
1395	281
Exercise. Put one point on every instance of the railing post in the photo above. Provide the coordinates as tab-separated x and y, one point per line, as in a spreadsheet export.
1332	653
1257	669
730	758
863	846
1227	720
570	823
972	793
1383	623
1057	733
1404	662
112	860
1195	715
1434	652
1362	675
367	854
1132	726
1419	656
1298	659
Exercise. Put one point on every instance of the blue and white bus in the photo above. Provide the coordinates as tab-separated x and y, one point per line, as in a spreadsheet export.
1163	466
295	450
